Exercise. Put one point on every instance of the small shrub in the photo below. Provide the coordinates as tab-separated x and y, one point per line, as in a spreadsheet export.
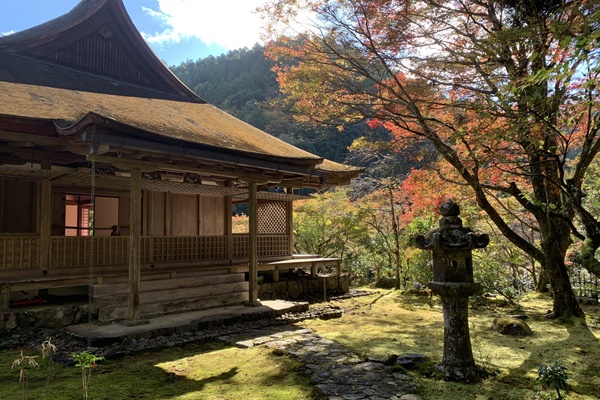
554	376
86	361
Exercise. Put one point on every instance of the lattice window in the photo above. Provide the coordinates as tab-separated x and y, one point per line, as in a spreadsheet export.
272	217
100	52
17	253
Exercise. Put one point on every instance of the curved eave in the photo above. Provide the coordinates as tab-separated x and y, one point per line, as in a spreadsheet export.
338	174
202	124
83	19
122	135
42	34
150	57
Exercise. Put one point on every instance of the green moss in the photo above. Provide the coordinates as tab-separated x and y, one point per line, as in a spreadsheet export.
398	324
207	371
378	326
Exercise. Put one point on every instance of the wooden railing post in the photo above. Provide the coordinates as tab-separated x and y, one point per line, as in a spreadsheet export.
4	297
253	245
229	226
45	228
134	244
290	222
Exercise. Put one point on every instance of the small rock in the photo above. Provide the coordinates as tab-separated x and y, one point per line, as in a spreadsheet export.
511	326
410	397
244	344
411	360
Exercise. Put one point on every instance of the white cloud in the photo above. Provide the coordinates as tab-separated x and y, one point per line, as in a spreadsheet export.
229	23
6	33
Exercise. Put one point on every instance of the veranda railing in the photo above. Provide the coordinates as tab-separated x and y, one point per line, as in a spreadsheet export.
21	252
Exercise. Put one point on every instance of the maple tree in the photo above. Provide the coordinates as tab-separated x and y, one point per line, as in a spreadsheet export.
505	91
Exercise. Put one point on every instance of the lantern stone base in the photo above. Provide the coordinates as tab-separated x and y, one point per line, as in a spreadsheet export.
454	289
458	363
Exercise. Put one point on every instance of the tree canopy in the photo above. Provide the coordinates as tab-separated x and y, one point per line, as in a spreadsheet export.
504	91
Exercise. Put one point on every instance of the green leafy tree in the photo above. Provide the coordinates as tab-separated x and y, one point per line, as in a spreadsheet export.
327	225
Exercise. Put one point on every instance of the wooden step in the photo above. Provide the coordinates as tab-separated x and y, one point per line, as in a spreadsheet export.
164	284
169	307
166	295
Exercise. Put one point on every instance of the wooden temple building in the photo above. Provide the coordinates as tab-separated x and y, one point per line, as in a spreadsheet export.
117	180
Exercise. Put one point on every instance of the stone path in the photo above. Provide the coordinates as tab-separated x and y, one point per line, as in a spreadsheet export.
337	372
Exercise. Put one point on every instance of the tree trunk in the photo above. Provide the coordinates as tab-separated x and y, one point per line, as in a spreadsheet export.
565	301
542	281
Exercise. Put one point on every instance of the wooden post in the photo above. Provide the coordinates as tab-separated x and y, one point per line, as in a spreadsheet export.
290	221
134	243
229	226
4	297
168	217
45	227
253	246
148	200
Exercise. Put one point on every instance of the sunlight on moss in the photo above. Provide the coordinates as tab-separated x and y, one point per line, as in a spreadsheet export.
376	326
397	324
253	373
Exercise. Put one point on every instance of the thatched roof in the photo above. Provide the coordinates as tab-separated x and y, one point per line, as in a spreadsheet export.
55	75
190	122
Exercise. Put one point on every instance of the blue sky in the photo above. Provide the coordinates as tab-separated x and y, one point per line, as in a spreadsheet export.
177	30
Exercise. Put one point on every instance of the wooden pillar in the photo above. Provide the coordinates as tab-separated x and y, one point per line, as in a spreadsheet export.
135	223
45	228
4	297
148	223
253	246
168	217
290	221
229	226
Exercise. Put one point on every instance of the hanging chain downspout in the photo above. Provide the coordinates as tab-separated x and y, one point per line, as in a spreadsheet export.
92	230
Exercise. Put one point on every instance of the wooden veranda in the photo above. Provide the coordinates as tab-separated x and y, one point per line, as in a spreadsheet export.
98	137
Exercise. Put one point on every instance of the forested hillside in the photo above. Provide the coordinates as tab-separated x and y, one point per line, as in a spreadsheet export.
242	83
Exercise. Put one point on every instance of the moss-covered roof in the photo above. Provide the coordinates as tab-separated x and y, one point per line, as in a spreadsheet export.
38	82
191	122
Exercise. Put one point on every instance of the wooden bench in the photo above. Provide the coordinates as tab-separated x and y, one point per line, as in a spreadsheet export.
297	262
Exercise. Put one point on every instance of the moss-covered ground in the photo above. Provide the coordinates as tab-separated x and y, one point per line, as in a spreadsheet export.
394	324
380	325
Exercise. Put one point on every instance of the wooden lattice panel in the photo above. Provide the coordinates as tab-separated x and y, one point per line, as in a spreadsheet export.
188	248
240	246
74	251
272	217
101	53
270	246
18	252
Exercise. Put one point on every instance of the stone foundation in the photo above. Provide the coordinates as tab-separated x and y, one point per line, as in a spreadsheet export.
57	316
304	287
53	316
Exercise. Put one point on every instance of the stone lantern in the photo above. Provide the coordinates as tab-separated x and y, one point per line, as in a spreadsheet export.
451	245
